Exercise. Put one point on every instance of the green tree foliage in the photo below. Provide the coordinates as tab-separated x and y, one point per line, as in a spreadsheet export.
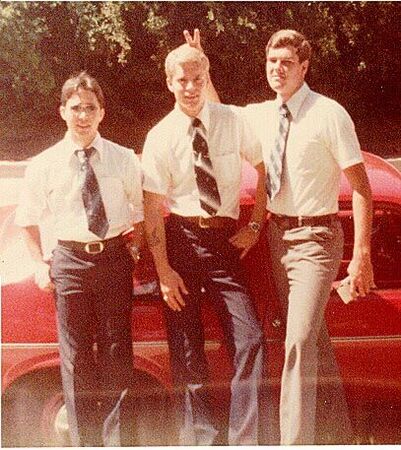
23	72
124	44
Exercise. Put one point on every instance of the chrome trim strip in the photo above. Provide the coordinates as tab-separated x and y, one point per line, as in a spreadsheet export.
366	338
353	338
54	345
20	345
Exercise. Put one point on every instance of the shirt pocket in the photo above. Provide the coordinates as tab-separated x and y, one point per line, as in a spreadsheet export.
227	169
63	194
114	198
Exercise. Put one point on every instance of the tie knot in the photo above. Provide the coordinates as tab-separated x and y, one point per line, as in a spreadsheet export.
196	123
84	153
284	111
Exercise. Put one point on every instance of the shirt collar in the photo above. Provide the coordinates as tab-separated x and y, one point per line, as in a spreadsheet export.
295	102
71	147
203	116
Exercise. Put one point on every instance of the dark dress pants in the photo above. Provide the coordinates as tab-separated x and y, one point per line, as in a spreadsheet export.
94	305
208	262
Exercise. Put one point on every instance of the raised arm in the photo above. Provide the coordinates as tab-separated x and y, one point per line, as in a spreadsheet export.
195	41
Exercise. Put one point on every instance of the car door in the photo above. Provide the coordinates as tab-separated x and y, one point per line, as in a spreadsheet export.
366	333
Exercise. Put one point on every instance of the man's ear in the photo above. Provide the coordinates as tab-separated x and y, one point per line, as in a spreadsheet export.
169	84
102	114
62	111
305	66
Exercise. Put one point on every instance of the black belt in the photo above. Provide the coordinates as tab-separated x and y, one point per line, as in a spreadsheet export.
288	222
93	247
207	222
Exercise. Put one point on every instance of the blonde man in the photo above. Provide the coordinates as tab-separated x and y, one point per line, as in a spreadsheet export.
192	158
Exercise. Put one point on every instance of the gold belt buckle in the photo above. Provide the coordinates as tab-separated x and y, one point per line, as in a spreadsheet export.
202	223
93	248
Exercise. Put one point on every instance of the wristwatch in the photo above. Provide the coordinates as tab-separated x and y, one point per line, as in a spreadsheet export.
255	226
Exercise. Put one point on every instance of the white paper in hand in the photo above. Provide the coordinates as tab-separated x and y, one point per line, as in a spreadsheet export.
344	290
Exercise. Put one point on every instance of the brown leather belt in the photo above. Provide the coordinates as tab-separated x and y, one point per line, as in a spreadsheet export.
207	222
94	247
288	222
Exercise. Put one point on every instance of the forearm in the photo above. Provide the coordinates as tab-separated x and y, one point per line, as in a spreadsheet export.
42	268
171	284
259	209
247	236
138	235
362	212
362	208
195	42
211	92
32	239
360	268
155	231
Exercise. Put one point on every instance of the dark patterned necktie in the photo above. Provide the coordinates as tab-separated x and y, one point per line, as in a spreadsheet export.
94	207
276	160
207	186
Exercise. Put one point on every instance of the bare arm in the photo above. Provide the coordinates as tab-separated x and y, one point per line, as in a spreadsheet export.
138	237
171	284
135	240
360	268
259	209
246	238
194	41
32	238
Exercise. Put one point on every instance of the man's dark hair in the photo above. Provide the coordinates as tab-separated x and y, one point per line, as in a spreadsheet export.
81	80
285	38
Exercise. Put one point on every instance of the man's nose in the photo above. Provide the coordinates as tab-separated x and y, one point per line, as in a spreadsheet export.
190	85
278	66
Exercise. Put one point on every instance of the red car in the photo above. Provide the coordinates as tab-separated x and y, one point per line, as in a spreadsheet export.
366	335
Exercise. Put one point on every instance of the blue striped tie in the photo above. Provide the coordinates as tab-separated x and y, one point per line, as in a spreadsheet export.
91	196
275	163
209	194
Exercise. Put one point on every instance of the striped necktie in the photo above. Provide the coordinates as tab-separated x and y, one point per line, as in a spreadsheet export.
91	196
207	186
276	159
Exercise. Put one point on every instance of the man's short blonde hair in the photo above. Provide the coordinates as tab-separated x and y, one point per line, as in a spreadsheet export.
184	54
285	38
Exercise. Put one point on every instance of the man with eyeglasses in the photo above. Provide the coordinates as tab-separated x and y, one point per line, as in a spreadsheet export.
91	189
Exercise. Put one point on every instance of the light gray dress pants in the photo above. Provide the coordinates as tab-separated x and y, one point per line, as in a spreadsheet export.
305	262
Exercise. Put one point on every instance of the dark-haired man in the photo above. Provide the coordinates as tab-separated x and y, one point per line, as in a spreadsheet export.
307	141
91	188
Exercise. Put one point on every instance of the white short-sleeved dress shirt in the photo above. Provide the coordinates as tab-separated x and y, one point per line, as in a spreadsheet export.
51	189
321	142
168	160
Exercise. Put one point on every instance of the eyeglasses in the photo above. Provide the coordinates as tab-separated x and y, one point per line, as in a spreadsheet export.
88	110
